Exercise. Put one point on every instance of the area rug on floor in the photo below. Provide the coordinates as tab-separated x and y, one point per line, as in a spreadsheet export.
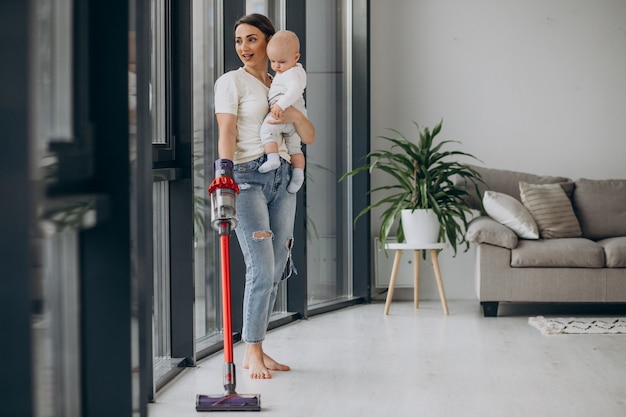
576	325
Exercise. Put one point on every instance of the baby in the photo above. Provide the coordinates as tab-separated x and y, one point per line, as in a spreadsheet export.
283	51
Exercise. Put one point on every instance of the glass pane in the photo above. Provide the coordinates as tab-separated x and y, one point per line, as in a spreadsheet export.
204	152
55	325
137	396
329	277
257	6
55	322
52	90
161	311
53	70
158	93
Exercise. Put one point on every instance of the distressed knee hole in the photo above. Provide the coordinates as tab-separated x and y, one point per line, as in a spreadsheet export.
262	234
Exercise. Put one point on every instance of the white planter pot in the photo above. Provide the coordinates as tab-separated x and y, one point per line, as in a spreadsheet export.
420	226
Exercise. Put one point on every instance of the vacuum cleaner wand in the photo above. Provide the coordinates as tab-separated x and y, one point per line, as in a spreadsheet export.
223	191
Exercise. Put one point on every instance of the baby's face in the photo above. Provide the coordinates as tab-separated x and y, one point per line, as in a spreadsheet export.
281	57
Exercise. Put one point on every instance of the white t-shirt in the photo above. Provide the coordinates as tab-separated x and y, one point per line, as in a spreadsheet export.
242	94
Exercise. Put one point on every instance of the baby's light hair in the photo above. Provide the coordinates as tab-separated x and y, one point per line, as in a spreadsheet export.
288	38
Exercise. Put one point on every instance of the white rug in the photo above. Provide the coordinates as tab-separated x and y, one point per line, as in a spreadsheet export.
576	325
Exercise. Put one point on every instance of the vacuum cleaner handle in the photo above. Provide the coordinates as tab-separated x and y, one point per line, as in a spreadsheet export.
223	191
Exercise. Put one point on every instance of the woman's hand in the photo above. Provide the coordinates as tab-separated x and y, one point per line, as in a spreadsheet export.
303	126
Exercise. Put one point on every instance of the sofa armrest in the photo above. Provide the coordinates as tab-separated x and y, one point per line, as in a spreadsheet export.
484	229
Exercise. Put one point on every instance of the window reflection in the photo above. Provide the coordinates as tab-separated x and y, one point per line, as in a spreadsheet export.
55	325
53	71
161	239
328	228
52	89
158	83
207	325
55	322
256	6
132	81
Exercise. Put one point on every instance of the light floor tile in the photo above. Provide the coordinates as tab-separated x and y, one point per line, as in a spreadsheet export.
358	362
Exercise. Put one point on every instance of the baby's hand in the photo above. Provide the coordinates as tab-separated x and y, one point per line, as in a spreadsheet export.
289	115
276	111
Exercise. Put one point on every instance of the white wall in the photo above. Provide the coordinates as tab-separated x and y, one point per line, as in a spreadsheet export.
530	85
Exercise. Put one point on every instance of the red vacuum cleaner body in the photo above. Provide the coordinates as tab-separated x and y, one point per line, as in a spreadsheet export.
223	192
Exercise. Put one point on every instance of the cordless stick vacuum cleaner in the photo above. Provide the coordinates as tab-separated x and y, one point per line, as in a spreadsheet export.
223	191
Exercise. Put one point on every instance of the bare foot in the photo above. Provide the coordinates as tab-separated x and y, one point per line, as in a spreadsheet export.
253	360
273	365
260	370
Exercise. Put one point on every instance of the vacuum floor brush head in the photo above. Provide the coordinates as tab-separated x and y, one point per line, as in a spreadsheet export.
229	402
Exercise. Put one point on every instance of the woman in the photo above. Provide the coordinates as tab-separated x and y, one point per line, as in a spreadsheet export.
265	209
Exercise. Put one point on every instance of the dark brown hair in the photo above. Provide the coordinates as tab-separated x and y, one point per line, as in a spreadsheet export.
259	21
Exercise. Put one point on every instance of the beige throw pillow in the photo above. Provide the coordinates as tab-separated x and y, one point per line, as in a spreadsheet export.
600	207
508	211
551	209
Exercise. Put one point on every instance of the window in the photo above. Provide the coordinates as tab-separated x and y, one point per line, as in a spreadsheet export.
54	241
206	266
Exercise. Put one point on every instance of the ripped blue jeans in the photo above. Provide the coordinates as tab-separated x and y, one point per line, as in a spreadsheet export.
266	213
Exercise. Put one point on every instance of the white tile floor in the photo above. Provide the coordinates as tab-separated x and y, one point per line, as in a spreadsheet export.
356	362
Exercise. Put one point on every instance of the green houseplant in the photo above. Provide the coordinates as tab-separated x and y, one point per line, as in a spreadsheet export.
425	177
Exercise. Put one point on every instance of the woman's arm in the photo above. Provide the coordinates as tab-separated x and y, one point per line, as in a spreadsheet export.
227	135
303	125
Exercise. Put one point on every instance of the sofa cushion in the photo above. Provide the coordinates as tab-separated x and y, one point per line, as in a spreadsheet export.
508	211
614	251
551	209
484	229
506	182
558	253
600	206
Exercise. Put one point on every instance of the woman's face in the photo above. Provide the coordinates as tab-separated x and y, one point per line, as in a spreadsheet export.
251	45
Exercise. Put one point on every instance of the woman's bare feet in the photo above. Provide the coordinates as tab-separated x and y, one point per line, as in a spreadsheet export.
273	365
260	363
253	360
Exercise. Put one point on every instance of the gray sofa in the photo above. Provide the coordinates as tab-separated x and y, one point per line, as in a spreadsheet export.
581	262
